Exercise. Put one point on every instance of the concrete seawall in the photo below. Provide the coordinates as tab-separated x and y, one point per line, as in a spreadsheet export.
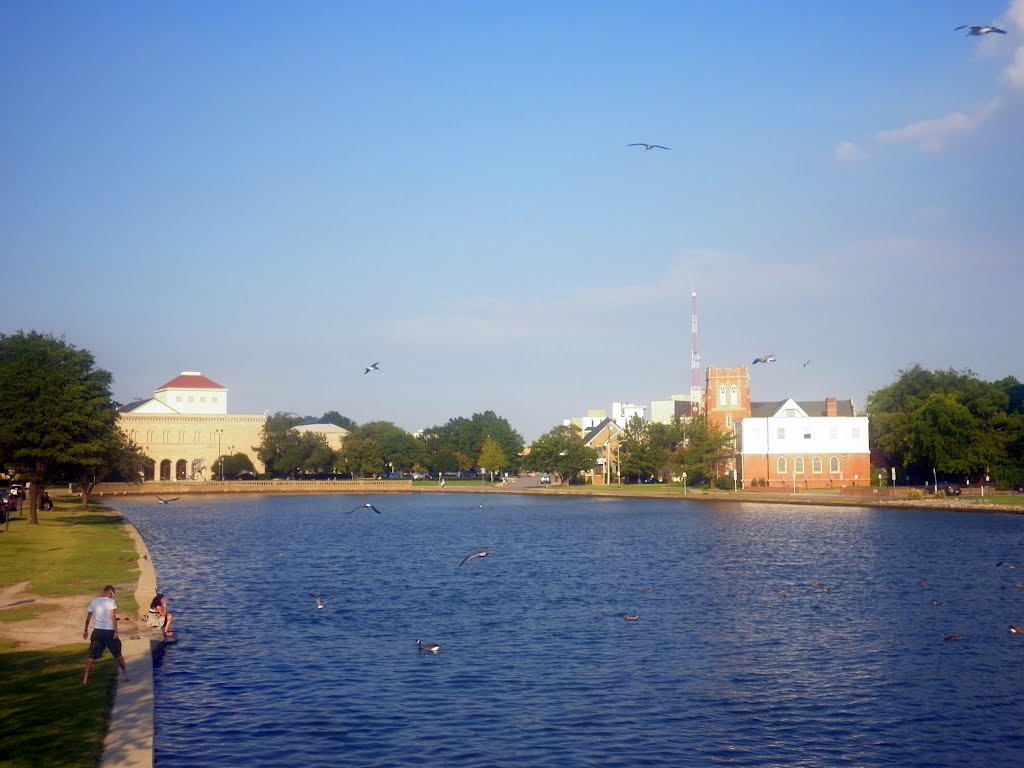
129	741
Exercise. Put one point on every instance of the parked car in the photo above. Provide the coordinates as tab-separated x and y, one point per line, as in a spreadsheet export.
545	479
8	502
951	490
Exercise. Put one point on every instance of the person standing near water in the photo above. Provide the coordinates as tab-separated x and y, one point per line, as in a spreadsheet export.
104	633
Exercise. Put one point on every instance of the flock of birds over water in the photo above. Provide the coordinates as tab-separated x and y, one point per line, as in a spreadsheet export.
479	554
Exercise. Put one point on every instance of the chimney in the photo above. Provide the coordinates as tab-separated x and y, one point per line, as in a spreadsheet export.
831	406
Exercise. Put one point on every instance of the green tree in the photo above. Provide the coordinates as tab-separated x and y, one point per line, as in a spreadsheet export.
561	450
113	457
56	412
466	436
640	457
279	438
361	456
492	457
949	422
398	449
706	446
233	466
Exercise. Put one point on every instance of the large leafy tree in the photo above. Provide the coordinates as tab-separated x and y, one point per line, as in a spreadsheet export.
56	412
561	450
229	467
361	456
278	439
706	446
639	455
466	437
398	449
949	422
114	457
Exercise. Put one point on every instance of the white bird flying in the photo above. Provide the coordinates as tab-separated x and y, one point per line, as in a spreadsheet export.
167	501
374	367
474	555
764	359
318	600
367	505
648	146
977	30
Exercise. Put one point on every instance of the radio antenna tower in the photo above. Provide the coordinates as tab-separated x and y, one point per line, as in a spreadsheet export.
694	357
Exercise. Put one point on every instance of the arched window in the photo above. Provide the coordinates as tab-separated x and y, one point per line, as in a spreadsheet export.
721	394
833	465
798	465
734	395
816	465
780	465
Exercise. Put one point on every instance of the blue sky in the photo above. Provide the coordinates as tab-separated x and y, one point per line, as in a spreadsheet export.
279	194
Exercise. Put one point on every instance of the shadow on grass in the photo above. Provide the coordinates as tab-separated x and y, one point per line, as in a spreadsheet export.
50	718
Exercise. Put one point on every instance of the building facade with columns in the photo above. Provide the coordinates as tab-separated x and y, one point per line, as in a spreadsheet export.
185	427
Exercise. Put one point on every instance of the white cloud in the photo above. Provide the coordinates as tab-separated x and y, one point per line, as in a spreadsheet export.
932	135
849	152
1015	13
1014	73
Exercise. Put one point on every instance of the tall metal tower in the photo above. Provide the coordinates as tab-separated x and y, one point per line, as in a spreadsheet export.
694	357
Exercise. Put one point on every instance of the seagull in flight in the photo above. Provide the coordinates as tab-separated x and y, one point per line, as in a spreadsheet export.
474	555
977	30
367	505
764	359
167	501
374	367
807	363
318	600
647	146
1011	566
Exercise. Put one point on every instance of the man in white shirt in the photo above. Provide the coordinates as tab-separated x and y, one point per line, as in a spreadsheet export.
104	635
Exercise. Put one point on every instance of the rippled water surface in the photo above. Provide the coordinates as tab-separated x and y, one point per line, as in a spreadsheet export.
774	636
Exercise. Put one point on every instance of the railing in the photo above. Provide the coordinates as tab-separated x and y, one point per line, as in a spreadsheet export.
247	486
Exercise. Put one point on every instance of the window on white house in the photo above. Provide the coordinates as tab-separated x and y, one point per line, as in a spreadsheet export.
833	433
855	433
782	433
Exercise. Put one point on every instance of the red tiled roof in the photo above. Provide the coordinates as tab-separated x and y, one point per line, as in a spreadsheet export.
190	381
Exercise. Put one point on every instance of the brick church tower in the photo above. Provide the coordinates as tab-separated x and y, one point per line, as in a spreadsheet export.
727	396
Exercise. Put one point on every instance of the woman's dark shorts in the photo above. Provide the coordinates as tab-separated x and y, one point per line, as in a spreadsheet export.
103	638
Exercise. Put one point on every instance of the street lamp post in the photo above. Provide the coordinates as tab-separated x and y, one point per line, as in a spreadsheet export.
220	456
618	463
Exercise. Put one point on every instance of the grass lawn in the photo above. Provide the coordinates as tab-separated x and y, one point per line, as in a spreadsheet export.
50	718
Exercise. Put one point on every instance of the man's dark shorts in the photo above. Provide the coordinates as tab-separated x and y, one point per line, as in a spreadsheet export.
103	638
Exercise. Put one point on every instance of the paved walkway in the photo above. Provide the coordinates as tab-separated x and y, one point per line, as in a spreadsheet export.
129	742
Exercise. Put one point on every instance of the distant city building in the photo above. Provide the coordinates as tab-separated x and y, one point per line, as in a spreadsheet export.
185	427
667	411
814	444
332	433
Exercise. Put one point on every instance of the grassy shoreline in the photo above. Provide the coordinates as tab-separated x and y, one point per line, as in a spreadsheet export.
50	718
